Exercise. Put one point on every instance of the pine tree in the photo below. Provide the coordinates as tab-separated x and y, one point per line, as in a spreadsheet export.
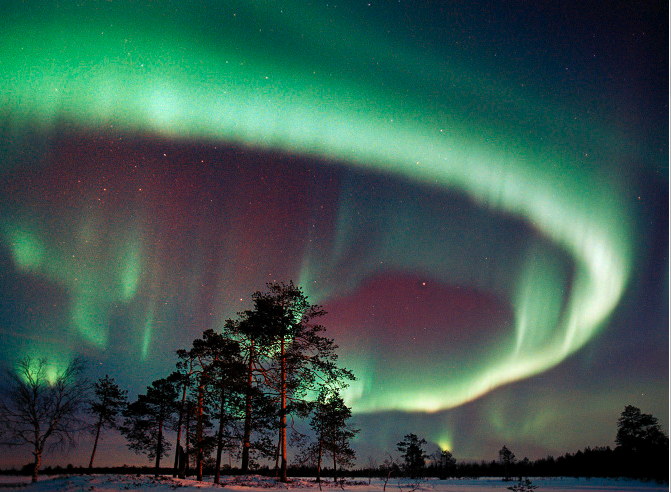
507	458
445	463
642	446
302	356
146	419
638	432
224	391
258	409
190	412
108	402
207	357
333	434
181	379
413	454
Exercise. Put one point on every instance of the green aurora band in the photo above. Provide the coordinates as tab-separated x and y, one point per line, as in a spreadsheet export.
295	86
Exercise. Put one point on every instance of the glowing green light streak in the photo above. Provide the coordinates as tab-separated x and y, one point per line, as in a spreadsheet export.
537	316
444	441
27	249
49	372
130	270
73	261
91	79
146	334
88	317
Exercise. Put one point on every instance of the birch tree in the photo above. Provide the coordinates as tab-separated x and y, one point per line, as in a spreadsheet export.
41	404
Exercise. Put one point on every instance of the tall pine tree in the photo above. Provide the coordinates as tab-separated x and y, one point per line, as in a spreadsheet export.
258	410
146	420
302	358
332	432
413	454
107	403
212	371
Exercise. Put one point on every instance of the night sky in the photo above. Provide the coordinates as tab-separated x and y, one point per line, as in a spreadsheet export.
477	195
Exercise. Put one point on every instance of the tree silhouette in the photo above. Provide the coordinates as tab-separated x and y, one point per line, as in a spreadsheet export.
189	413
445	463
181	379
41	405
329	422
145	420
108	401
639	432
224	390
642	446
388	469
255	343
213	365
413	454
302	357
507	458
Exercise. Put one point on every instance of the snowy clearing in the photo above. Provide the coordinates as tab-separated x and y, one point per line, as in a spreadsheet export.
127	482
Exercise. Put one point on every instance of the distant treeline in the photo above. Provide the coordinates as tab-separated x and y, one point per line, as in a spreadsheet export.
590	462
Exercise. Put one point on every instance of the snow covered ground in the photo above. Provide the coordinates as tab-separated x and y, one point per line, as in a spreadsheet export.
127	482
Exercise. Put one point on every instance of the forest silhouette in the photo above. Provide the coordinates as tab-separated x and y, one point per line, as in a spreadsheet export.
241	390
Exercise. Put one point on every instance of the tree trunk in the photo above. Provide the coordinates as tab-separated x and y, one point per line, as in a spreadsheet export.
335	452
319	461
38	462
283	417
277	455
95	442
159	447
220	441
175	470
199	432
247	435
187	427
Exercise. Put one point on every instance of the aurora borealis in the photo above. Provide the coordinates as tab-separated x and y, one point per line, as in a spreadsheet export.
478	195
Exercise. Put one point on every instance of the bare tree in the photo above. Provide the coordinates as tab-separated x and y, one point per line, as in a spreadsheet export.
388	469
42	405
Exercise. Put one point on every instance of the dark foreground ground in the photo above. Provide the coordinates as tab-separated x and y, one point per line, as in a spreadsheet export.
128	482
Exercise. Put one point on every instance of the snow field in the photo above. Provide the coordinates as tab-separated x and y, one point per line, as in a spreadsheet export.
128	482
